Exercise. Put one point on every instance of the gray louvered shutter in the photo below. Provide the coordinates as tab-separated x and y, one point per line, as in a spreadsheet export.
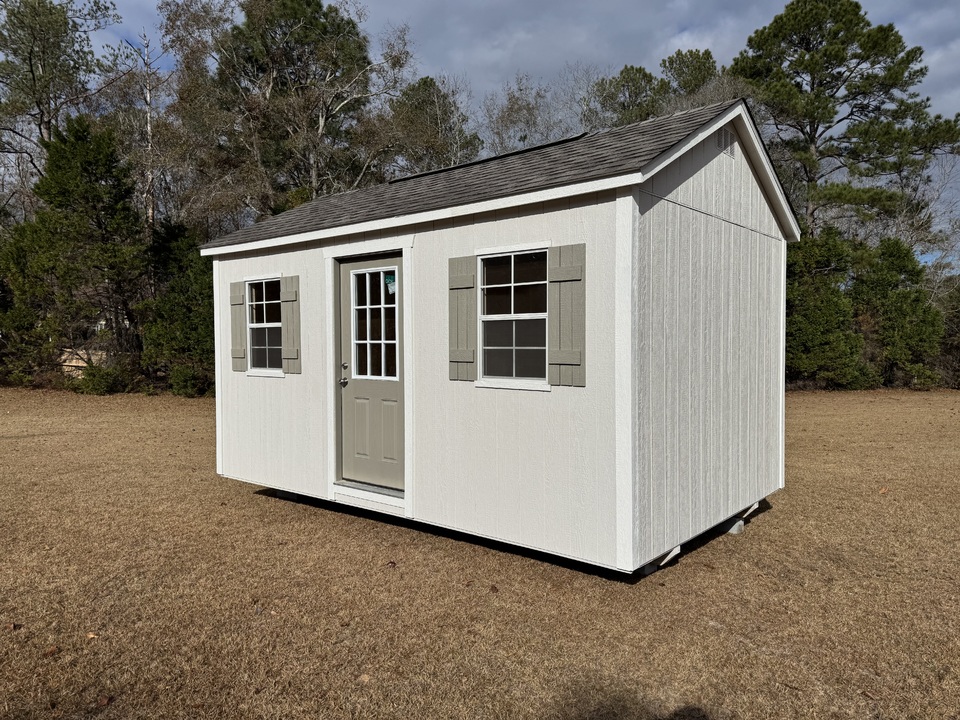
463	318
566	315
290	322
238	326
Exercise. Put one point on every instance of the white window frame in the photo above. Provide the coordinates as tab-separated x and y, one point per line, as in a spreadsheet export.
353	323
251	326
536	384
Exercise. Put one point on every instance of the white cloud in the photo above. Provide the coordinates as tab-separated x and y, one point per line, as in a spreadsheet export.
489	42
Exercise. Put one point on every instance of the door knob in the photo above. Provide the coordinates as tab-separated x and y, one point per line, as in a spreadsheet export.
343	382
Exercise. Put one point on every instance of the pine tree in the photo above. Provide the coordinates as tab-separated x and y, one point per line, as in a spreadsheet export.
689	71
271	97
632	95
823	349
842	99
431	126
47	60
178	332
77	271
901	328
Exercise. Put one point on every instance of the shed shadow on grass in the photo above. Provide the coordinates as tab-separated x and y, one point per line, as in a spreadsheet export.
618	711
595	703
505	547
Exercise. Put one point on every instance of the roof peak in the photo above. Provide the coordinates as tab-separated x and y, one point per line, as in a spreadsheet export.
562	141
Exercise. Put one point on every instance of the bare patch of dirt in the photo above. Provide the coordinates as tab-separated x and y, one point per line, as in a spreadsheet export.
135	583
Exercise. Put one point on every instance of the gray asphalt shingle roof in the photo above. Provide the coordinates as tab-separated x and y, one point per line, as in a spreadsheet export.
591	156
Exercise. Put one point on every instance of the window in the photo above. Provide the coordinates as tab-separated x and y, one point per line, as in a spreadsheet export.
504	308
263	307
375	323
265	326
513	315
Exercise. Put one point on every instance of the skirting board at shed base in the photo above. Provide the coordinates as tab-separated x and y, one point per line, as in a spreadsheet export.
733	525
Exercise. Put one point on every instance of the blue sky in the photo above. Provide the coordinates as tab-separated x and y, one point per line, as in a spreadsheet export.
489	42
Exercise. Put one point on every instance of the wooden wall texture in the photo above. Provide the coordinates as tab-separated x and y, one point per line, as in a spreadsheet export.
708	303
527	467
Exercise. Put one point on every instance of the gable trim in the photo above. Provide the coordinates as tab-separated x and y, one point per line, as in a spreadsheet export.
756	154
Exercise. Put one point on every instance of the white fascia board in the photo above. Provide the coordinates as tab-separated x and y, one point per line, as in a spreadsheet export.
442	214
755	150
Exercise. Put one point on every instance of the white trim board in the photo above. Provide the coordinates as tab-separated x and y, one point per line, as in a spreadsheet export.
219	356
627	210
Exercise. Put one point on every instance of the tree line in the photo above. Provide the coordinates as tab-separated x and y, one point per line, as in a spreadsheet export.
115	165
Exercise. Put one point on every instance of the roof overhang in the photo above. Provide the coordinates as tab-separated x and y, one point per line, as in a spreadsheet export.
738	114
448	213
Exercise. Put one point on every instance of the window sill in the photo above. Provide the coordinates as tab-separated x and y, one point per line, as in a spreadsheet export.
265	373
505	384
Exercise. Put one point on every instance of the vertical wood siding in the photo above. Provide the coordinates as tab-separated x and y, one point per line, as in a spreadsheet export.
272	429
531	468
709	320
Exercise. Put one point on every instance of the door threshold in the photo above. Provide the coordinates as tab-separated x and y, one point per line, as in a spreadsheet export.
370	488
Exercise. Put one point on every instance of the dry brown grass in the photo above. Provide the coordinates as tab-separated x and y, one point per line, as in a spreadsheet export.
135	583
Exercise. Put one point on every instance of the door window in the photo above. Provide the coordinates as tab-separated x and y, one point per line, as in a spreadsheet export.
375	323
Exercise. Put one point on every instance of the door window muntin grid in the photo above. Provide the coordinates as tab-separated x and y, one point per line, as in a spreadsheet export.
374	319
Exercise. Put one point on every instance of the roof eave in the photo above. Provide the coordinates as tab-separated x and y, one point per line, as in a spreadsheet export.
448	213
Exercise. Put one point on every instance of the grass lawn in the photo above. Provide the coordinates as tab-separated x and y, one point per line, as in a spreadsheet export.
135	583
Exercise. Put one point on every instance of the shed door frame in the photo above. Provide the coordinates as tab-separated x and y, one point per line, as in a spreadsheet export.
347	480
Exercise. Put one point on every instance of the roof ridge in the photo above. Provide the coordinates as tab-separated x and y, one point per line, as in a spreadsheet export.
561	141
479	161
658	118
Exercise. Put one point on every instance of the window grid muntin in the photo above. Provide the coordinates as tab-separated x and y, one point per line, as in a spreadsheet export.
385	357
264	325
513	317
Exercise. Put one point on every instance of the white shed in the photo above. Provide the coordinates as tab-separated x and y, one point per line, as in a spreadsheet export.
577	348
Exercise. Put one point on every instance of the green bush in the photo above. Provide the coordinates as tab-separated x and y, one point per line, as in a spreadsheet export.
187	381
98	380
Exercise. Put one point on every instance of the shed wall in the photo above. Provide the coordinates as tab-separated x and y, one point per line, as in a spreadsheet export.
271	430
709	268
527	467
533	468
